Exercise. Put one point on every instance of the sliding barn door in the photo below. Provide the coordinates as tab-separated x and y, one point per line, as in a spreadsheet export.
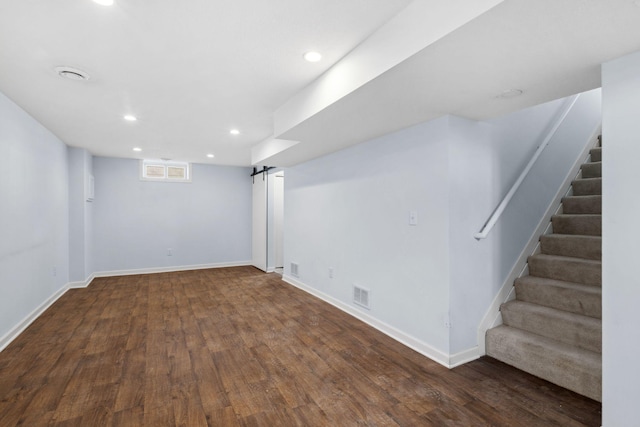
278	219
259	229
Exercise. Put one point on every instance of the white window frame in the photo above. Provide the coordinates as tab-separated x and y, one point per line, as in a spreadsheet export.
165	164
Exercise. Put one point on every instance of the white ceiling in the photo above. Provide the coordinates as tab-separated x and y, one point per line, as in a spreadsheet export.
192	70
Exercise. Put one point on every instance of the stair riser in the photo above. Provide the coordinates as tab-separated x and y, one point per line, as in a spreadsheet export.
592	170
582	205
585	187
580	372
579	301
571	270
596	154
587	225
581	331
572	246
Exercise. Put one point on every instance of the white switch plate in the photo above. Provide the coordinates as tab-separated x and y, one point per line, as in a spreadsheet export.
413	217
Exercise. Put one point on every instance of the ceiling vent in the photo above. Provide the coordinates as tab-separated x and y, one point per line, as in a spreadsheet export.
72	73
511	93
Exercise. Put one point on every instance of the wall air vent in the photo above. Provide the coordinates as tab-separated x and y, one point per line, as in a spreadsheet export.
294	269
361	297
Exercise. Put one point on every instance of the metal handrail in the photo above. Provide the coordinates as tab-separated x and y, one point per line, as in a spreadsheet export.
493	219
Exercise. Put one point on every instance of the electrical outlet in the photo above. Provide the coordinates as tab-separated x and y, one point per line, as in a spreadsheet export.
54	271
169	252
330	272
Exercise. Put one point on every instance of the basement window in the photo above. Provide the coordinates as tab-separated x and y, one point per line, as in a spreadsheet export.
165	171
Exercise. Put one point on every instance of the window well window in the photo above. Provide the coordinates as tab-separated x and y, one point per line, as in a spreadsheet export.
165	171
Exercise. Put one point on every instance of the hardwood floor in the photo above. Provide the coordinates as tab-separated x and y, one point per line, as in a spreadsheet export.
236	347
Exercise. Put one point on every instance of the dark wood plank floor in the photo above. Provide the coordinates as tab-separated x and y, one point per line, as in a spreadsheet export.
236	347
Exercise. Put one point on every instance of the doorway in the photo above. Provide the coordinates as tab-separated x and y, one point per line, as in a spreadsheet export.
278	221
259	221
268	220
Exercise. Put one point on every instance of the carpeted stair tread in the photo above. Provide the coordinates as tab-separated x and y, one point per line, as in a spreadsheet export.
568	269
583	224
571	245
568	296
569	328
587	186
592	170
591	204
568	366
553	329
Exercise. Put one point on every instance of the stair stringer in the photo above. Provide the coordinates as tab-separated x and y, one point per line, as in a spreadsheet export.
493	317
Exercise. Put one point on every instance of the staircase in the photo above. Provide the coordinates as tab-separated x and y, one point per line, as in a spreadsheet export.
553	328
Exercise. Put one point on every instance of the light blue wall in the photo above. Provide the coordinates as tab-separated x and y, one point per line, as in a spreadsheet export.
80	215
432	282
34	222
350	211
531	201
470	171
207	221
620	241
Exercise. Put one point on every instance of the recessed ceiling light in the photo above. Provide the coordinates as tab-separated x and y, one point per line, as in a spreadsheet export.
211	156
72	73
130	118
312	56
104	2
137	149
234	132
511	93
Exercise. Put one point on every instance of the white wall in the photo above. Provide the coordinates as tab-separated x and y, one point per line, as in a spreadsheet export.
207	221
80	215
471	196
350	211
34	215
431	283
620	241
529	204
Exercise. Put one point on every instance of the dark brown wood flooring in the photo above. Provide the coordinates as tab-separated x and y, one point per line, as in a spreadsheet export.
236	347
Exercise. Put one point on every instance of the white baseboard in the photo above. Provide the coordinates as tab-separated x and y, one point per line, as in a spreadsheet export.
463	357
154	270
81	284
24	323
421	347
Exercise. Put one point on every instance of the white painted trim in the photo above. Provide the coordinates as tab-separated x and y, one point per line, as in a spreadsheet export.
492	317
421	347
463	357
81	284
506	293
153	270
22	325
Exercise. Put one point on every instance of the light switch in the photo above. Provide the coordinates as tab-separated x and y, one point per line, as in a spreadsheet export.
413	217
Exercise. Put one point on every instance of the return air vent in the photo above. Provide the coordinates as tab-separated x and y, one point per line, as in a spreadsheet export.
294	269
361	296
